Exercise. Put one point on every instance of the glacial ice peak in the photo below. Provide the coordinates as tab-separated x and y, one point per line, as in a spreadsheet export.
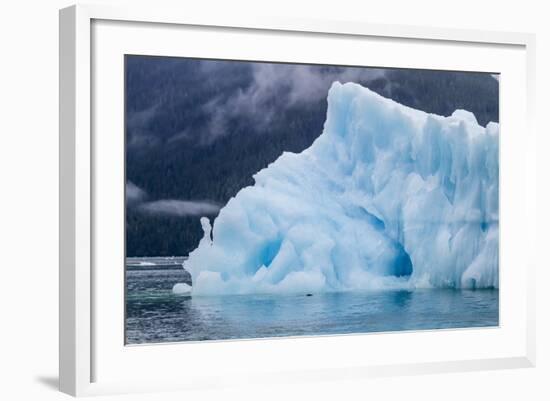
386	197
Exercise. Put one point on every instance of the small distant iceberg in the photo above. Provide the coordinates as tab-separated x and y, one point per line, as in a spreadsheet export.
386	197
181	289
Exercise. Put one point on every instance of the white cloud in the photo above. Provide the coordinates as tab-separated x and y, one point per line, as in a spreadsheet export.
277	87
174	207
134	194
136	198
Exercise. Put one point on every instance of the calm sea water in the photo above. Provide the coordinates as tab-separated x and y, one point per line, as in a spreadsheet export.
154	314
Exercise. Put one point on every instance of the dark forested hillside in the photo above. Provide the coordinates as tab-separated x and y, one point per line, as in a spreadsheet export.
198	130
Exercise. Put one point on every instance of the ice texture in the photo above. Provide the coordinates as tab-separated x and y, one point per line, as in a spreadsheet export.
386	197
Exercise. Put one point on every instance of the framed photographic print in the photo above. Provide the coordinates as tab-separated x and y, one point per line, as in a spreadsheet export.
283	200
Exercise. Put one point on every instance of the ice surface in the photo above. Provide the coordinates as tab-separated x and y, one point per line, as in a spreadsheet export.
387	197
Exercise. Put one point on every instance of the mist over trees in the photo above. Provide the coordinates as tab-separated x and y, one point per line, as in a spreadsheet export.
198	130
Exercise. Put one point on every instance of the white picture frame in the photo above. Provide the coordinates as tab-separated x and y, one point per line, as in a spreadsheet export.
82	343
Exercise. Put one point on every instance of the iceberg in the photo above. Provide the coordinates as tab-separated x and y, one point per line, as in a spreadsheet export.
387	197
181	289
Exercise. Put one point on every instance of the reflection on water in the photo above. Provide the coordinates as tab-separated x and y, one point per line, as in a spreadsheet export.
154	314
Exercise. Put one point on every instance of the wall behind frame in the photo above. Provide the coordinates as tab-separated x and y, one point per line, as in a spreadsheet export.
29	217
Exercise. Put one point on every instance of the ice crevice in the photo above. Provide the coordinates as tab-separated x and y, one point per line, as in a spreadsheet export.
387	197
